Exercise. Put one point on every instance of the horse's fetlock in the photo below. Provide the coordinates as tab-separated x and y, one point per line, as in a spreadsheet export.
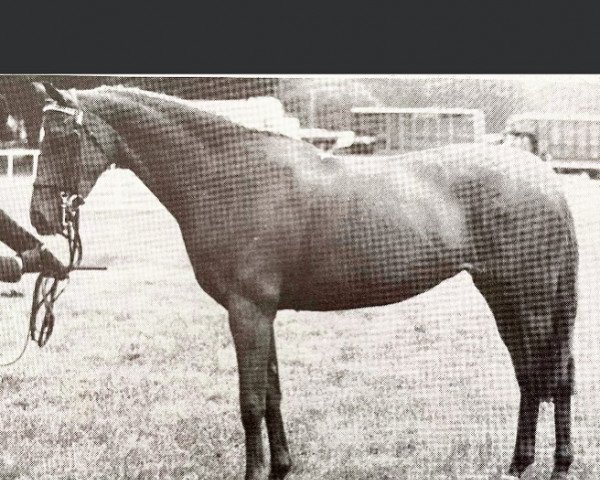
562	461
280	467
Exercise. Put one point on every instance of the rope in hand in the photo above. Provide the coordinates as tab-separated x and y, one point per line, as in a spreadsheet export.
46	290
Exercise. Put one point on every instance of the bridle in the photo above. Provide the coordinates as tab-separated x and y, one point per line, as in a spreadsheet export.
77	116
46	290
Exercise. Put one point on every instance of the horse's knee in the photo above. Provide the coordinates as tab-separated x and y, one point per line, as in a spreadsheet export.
252	409
273	399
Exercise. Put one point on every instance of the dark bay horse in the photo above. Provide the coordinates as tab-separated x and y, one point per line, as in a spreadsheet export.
269	225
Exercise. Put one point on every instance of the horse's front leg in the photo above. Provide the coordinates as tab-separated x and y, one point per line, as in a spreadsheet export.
280	455
251	326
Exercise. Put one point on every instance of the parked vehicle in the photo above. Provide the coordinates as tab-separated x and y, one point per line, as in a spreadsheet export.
401	130
570	142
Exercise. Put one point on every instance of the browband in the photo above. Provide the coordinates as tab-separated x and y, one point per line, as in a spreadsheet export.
74	112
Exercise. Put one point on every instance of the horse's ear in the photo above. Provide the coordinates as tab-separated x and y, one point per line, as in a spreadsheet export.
51	92
39	88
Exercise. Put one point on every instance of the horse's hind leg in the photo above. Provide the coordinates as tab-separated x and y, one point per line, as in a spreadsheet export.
565	311
524	453
280	456
539	375
538	335
563	456
509	319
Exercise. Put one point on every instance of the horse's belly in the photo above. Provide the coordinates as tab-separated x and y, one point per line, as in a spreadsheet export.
338	282
328	296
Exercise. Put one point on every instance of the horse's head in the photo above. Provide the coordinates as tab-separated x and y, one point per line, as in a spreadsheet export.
76	147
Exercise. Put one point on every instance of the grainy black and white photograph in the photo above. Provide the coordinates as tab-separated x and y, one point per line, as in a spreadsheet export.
309	277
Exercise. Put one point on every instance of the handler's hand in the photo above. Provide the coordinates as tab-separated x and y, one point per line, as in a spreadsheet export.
52	266
31	260
42	260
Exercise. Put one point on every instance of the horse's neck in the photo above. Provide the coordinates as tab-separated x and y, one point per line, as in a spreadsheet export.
163	163
191	164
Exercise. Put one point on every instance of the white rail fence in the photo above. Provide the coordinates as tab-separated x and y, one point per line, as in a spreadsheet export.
21	162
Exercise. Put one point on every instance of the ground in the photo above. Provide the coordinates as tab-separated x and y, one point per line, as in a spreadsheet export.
139	380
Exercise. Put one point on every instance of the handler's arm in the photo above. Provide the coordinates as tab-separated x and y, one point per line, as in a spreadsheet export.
15	236
11	269
20	240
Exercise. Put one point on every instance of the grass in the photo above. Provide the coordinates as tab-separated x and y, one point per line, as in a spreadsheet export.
139	380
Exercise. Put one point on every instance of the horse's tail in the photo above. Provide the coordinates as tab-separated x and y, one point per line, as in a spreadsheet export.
567	283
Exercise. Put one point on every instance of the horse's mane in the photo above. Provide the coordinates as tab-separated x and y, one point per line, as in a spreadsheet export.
178	108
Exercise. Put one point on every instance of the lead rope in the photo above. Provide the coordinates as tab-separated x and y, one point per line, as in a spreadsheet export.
46	290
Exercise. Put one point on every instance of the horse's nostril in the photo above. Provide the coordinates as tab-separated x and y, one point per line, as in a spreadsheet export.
35	217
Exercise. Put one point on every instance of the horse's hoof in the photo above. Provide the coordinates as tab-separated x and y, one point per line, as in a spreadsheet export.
518	467
257	474
559	476
514	472
279	472
277	476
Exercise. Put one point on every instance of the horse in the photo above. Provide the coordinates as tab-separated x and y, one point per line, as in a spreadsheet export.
269	224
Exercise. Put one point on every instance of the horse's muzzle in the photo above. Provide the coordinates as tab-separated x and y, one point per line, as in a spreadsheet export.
39	222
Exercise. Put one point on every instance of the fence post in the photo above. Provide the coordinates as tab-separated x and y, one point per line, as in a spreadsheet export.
10	164
479	127
35	155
